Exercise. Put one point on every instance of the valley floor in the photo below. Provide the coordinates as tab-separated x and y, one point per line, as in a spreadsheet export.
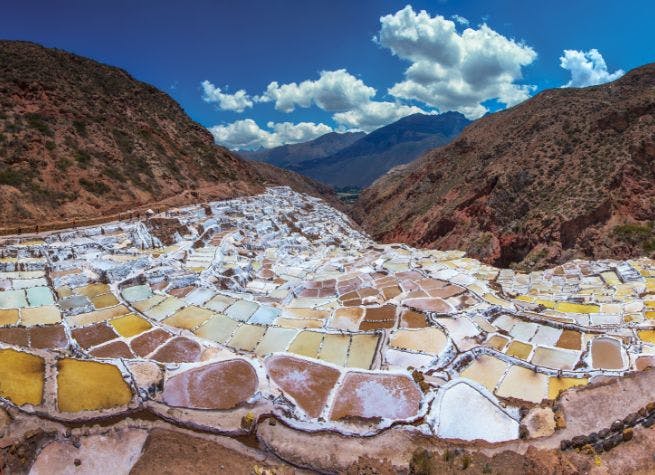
267	335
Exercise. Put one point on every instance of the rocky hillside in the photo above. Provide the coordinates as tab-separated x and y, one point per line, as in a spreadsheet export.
79	139
293	155
370	157
568	173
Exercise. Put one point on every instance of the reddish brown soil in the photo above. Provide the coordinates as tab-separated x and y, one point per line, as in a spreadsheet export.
556	177
168	452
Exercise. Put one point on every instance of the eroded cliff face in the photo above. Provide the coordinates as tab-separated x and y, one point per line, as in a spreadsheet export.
569	173
80	139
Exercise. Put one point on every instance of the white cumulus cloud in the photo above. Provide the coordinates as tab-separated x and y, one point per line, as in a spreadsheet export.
373	115
460	19
247	135
237	102
587	68
340	92
451	70
334	91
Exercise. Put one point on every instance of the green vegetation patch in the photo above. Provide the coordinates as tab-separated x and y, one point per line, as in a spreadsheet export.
348	194
80	128
12	177
639	235
39	122
95	187
82	158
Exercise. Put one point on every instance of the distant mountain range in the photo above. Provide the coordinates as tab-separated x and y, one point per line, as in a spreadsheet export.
568	173
292	156
356	159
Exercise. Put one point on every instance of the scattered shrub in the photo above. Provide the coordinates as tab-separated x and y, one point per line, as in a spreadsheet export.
82	158
63	164
80	128
640	235
11	177
39	122
95	187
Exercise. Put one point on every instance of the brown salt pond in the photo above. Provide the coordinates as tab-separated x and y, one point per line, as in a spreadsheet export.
645	362
178	350
221	385
606	353
308	383
370	396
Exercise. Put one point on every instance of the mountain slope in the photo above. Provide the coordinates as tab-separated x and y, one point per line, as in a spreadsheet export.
287	156
394	144
570	172
79	139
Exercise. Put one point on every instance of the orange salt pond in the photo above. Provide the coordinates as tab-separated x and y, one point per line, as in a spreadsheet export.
426	340
645	362
428	305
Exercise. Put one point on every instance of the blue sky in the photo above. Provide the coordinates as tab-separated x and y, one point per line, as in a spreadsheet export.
376	70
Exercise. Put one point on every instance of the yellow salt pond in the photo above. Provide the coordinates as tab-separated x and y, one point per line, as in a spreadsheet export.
21	377
40	315
130	325
189	317
246	337
275	340
334	349
647	335
306	344
568	307
362	351
519	349
557	385
90	386
8	316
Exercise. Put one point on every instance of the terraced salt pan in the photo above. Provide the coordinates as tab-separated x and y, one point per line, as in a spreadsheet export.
424	340
338	299
465	411
219	328
376	396
524	384
607	353
486	370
